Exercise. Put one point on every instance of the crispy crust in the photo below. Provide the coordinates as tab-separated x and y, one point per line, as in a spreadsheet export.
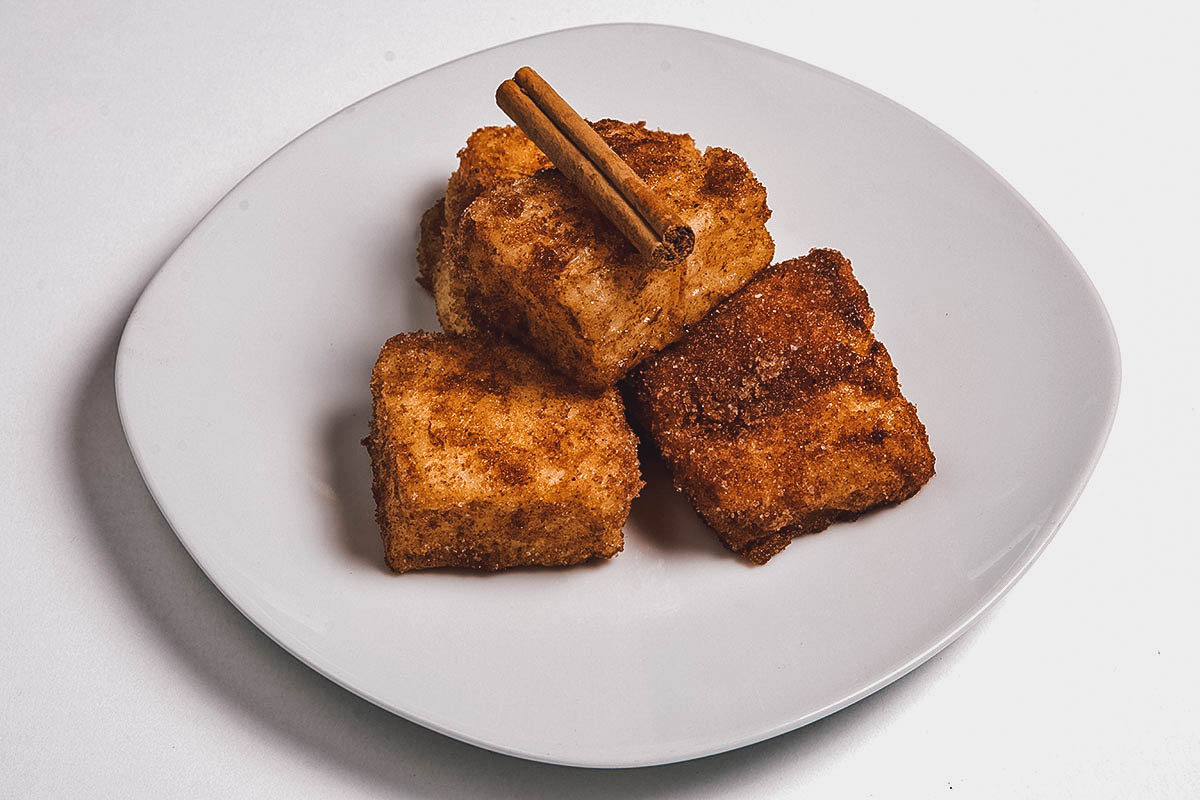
484	458
492	155
531	257
780	413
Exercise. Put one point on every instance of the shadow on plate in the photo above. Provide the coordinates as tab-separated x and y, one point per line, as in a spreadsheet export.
662	519
350	480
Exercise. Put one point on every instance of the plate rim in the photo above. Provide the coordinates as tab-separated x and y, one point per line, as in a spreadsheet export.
1111	345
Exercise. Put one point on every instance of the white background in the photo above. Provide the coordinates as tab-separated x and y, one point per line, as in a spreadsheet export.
126	673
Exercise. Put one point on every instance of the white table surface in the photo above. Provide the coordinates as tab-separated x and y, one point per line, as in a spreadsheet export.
125	671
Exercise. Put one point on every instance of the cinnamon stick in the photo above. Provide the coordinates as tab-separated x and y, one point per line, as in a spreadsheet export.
646	219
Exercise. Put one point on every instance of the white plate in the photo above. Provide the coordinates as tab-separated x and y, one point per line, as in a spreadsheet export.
242	383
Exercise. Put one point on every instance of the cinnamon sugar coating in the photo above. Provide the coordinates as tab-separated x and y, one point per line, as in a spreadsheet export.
492	155
531	257
485	458
780	413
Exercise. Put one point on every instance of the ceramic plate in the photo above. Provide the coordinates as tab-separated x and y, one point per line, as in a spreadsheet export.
242	383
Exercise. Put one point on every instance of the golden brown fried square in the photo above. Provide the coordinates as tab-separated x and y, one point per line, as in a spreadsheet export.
780	413
485	458
533	258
